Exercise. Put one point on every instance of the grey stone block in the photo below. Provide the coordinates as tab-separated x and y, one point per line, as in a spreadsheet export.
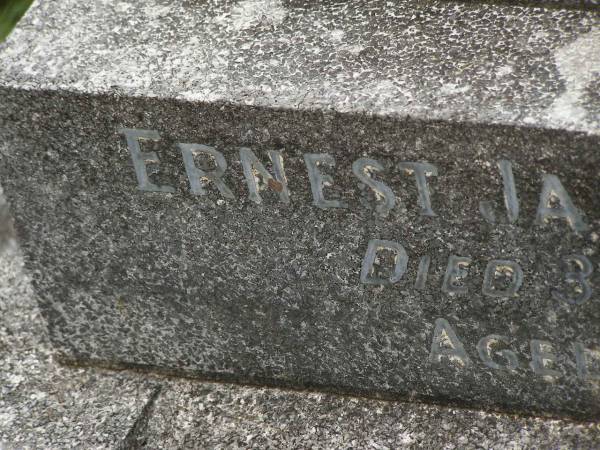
142	260
44	405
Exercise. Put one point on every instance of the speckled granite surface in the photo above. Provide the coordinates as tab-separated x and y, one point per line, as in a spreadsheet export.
426	59
143	261
45	405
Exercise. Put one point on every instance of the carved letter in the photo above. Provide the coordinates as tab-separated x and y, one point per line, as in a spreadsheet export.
511	200
484	348
253	167
400	262
502	267
421	171
195	175
553	192
541	355
581	359
386	199
140	159
457	269
319	180
422	272
446	343
584	289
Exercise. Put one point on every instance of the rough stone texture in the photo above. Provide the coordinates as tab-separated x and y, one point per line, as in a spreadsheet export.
44	405
577	4
200	415
231	290
500	64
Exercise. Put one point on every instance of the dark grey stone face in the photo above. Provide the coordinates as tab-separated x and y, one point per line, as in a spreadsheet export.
440	261
396	199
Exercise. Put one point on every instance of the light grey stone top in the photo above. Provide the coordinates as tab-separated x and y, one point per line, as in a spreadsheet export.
432	60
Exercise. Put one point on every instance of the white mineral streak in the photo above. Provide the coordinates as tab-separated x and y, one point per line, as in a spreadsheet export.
250	13
502	71
578	64
453	89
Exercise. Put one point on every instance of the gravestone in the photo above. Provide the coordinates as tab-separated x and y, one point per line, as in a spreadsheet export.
391	199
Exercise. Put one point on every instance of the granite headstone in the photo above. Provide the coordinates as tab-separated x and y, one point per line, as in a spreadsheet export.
392	199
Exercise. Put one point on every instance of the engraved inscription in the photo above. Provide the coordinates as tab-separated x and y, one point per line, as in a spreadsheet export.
446	345
511	201
362	168
254	171
421	171
502	278
499	280
485	348
140	159
495	353
400	262
456	271
578	278
197	175
583	359
422	272
543	358
554	201
509	270
319	180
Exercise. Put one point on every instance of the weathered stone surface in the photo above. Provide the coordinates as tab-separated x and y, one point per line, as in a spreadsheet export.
7	232
192	415
44	405
430	60
577	4
211	286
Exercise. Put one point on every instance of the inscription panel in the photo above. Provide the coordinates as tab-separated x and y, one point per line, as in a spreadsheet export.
363	255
